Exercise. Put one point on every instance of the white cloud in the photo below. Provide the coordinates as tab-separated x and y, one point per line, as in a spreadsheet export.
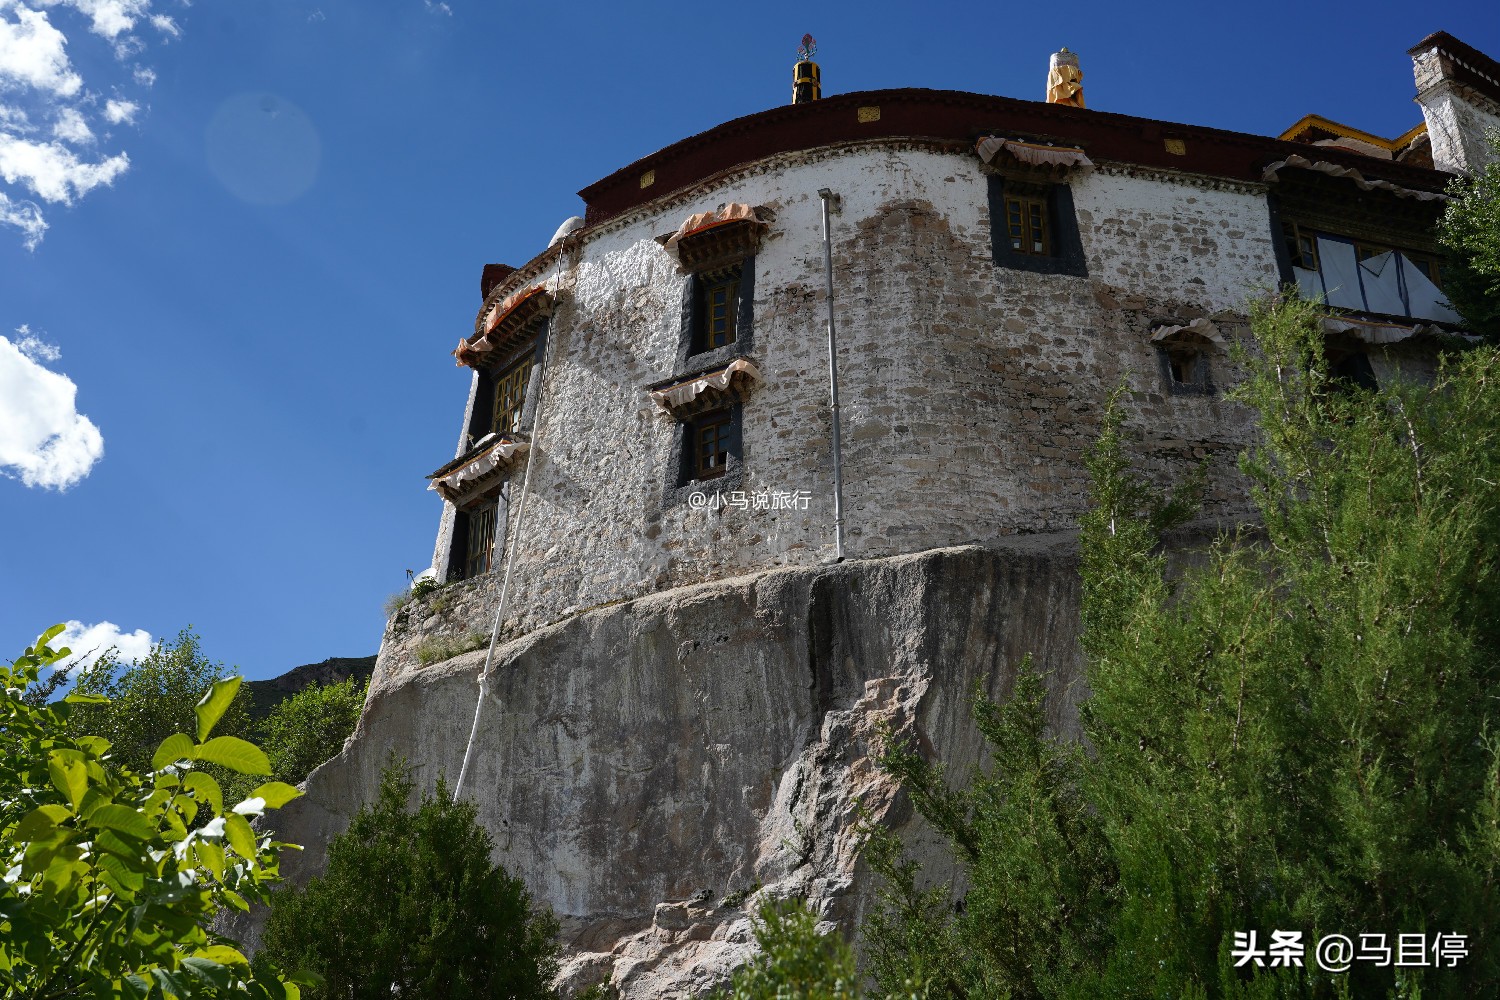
25	216
51	118
71	127
15	119
438	8
52	171
32	53
35	347
116	112
44	440
111	18
89	642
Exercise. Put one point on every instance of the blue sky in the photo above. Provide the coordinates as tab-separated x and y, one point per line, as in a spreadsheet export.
238	241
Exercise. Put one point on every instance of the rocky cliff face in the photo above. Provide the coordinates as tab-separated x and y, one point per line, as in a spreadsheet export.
649	766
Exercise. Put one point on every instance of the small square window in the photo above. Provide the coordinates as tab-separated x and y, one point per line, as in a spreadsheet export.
1301	246
716	309
707	454
1185	368
709	438
1025	220
1033	226
1349	368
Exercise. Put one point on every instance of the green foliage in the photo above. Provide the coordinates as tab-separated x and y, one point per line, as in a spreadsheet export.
1298	736
410	904
738	897
1470	233
794	959
113	873
438	648
418	591
153	698
310	727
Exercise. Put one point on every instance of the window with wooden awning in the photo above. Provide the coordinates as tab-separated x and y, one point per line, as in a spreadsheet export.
1033	225
505	326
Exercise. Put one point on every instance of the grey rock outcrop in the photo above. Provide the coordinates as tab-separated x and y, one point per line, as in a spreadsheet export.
717	737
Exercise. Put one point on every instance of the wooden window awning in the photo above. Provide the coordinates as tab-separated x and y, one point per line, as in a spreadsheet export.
1334	170
694	394
1199	329
469	476
506	326
1372	331
713	239
1032	154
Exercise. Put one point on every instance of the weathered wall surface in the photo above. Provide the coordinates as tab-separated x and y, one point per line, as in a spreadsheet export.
970	391
1458	116
711	739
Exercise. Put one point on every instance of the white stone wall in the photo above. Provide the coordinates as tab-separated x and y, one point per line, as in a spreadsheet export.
1457	117
970	392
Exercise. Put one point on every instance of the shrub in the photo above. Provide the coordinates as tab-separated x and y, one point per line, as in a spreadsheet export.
114	874
411	905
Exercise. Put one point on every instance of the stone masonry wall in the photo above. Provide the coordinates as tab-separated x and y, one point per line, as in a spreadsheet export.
969	391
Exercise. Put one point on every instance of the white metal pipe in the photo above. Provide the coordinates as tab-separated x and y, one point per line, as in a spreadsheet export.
833	381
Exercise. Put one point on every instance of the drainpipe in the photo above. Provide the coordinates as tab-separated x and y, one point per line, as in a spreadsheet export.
827	197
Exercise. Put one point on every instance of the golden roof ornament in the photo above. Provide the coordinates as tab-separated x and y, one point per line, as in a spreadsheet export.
1065	79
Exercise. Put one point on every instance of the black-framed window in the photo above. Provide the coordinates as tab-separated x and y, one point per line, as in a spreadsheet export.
472	552
502	402
718	308
718	315
707	454
481	542
708	436
510	395
1185	368
1034	227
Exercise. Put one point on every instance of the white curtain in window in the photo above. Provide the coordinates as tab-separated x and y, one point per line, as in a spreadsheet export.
1426	299
1381	276
1340	274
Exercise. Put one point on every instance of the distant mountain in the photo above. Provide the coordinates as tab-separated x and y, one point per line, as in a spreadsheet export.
264	695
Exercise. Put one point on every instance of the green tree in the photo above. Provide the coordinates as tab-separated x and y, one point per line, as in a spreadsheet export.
1470	232
1299	736
410	904
150	699
310	727
113	875
794	959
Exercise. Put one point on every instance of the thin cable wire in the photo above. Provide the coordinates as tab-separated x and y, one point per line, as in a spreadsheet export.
510	560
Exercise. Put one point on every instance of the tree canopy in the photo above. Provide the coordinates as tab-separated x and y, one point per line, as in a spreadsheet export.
1293	742
410	904
113	873
1470	233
